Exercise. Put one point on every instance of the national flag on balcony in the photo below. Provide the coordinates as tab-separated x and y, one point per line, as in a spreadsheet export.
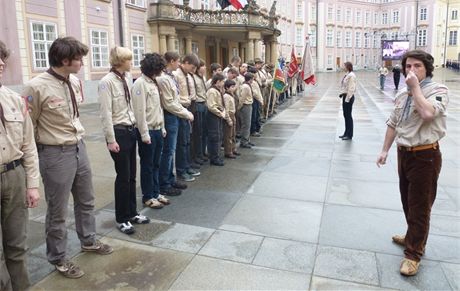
278	81
308	68
238	4
224	3
293	65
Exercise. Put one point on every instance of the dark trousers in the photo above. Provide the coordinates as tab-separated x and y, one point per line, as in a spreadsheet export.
183	158
13	230
396	78
215	136
347	108
150	155
229	136
255	118
418	181
199	131
125	182
169	149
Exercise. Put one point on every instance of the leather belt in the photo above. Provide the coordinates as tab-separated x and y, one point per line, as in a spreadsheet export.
10	166
124	127
419	148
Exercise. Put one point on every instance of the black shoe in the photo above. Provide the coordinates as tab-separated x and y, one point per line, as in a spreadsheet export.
245	146
171	192
195	166
346	138
231	156
236	153
251	144
217	163
199	161
341	136
179	185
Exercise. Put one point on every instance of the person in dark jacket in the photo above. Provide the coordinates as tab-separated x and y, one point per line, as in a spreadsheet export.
396	75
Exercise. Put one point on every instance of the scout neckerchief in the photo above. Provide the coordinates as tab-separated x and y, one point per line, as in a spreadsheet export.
154	80
221	95
2	116
202	81
72	93
121	77
250	87
186	81
170	74
406	110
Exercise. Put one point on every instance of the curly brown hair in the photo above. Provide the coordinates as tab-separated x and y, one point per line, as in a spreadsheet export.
4	51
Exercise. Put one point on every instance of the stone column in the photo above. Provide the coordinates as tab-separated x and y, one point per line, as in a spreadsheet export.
268	54
163	46
257	50
218	56
188	45
274	51
250	50
171	43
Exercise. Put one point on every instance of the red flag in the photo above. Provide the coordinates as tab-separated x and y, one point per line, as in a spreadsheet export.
293	65
238	4
308	68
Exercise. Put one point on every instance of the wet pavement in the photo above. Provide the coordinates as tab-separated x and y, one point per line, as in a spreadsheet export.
301	210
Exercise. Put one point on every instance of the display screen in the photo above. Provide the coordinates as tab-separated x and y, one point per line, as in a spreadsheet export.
394	49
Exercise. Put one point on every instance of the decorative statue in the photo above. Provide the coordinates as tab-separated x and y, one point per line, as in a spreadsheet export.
272	12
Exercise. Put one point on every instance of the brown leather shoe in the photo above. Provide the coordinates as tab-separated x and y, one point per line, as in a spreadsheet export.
399	239
409	267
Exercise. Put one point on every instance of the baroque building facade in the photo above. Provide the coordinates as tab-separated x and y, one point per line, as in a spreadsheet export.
345	30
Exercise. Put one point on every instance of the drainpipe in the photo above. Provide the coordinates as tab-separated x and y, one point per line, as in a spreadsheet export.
445	36
317	28
120	22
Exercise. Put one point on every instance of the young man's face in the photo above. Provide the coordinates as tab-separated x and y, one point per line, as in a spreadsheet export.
174	64
188	68
220	84
417	67
202	70
217	71
125	66
73	66
258	66
231	89
2	67
231	76
243	69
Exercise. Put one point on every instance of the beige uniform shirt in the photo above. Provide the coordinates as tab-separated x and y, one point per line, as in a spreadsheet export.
214	102
115	109
261	78
239	84
411	129
17	135
51	110
348	85
200	88
257	92
185	87
170	96
208	83
245	95
383	71
147	106
230	109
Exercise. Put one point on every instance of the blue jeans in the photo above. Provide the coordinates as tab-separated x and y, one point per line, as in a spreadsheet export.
167	177
150	155
347	109
183	159
255	122
382	81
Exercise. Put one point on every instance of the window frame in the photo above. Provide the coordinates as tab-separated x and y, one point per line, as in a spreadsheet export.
421	37
47	43
93	45
137	3
137	56
453	37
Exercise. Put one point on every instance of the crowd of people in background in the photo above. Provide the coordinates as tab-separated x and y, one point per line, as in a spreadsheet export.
453	65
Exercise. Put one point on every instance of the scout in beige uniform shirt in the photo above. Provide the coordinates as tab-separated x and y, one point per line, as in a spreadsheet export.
185	90
170	100
18	187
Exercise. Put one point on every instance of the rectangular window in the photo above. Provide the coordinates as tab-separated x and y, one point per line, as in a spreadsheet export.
384	18
421	41
453	37
339	39
368	18
330	13
454	15
396	16
298	35
313	37
330	37
195	48
205	4
329	60
139	3
366	40
348	15
423	13
137	43
313	13
357	39
375	42
299	9
338	15
376	18
43	35
99	49
358	17
348	39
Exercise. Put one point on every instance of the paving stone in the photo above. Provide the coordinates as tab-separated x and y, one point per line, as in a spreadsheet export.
211	274
320	283
73	246
290	186
296	220
129	267
429	277
206	208
361	228
443	248
105	221
35	234
239	247
253	161
144	233
452	272
300	166
346	264
286	255
182	237
445	225
363	171
225	179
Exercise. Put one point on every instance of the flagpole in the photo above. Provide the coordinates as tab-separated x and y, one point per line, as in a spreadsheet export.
269	100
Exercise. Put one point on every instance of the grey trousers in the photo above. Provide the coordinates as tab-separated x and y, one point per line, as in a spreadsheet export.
66	169
245	116
13	229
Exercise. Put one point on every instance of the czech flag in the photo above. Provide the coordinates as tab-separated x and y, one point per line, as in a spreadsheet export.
224	3
238	4
293	65
278	81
